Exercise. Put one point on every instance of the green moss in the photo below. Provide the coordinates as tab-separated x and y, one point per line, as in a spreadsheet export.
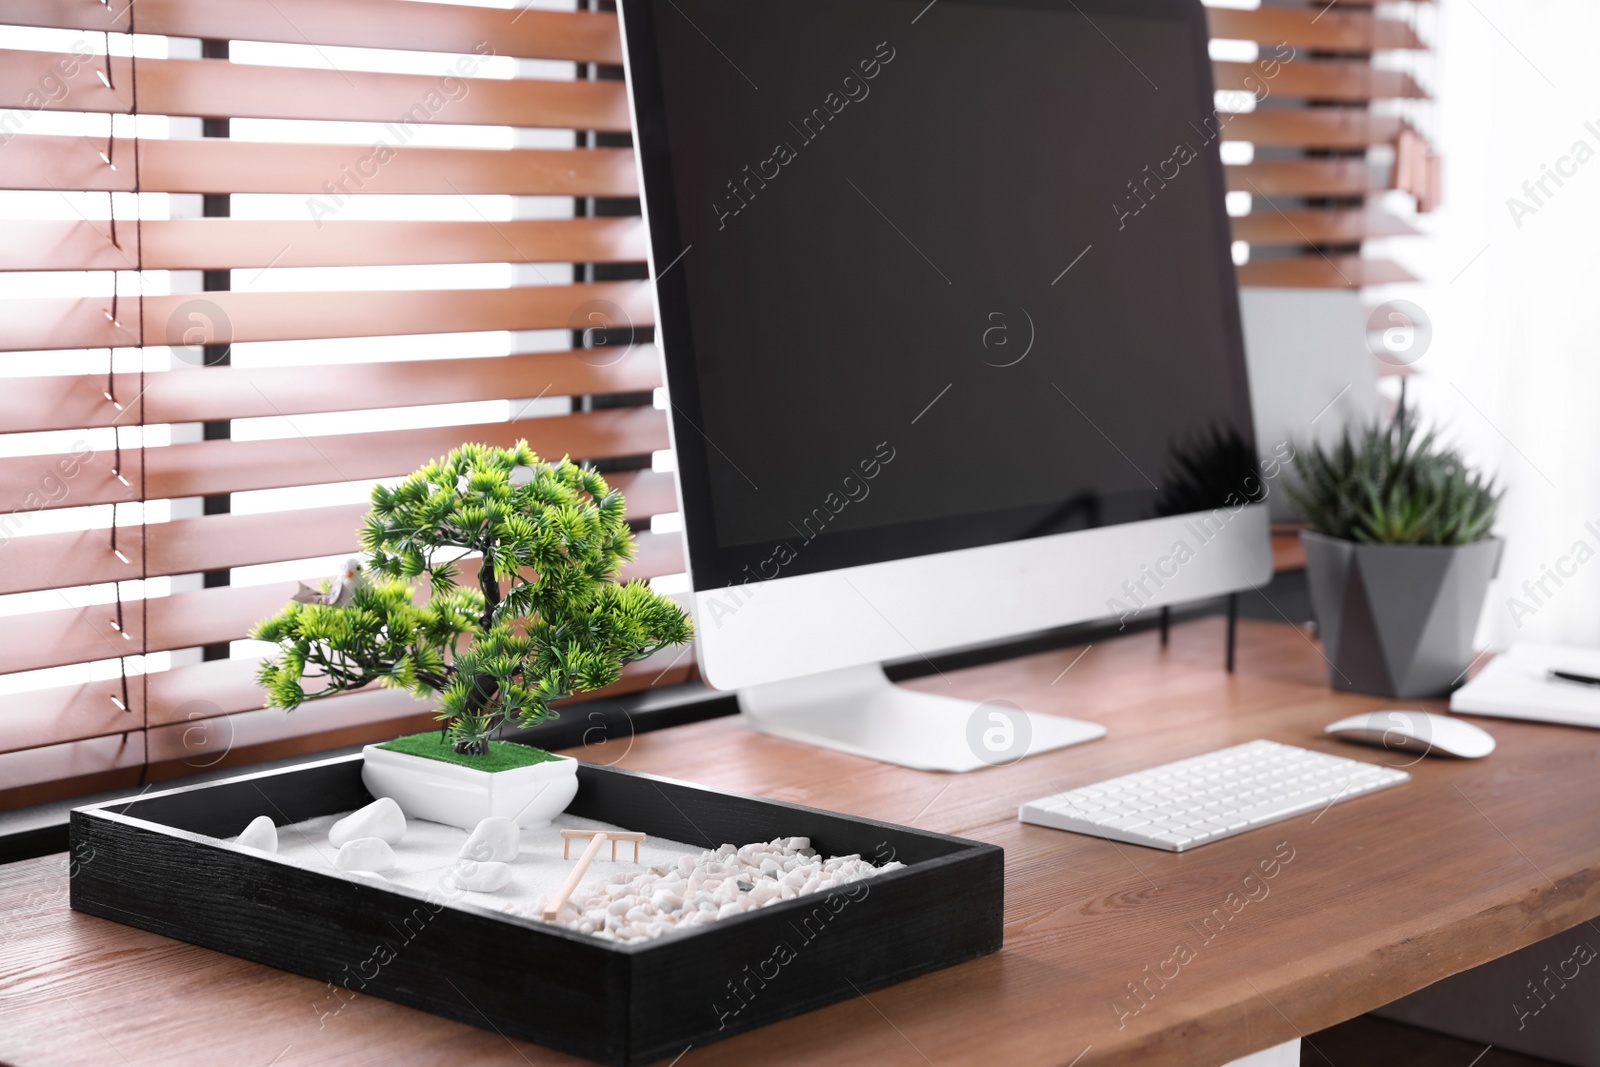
503	755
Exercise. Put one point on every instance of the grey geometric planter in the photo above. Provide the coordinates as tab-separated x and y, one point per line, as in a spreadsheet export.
1398	620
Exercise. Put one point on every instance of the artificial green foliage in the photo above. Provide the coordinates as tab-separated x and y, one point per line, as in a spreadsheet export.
544	619
1385	485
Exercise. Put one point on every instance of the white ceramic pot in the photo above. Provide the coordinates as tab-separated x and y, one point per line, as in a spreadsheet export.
462	796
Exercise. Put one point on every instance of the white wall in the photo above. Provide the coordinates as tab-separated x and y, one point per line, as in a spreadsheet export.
1311	373
1513	370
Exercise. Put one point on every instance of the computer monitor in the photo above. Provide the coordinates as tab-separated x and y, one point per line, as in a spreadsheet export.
951	339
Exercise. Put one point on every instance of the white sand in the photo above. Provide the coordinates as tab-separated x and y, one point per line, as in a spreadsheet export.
429	850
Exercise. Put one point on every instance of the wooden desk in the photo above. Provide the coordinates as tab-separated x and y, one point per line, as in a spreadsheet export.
1383	895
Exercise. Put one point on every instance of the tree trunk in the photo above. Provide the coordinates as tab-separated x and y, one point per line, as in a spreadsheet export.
490	585
483	685
484	688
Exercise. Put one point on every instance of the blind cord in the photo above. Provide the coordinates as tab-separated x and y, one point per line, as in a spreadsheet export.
144	554
124	703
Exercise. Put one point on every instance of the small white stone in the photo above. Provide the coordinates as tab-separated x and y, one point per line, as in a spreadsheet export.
365	854
261	834
484	877
496	838
381	819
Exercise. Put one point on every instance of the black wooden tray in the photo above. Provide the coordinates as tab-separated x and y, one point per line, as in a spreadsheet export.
158	865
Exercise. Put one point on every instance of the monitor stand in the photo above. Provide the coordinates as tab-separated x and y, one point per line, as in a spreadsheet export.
859	711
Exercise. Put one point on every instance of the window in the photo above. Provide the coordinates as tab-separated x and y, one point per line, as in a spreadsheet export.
259	257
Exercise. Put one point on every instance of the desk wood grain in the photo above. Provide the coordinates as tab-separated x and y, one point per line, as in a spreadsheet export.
1379	896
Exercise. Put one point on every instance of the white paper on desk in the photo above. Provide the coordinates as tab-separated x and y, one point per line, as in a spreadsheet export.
1517	685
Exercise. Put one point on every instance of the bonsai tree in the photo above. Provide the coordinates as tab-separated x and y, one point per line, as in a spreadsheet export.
1387	486
544	618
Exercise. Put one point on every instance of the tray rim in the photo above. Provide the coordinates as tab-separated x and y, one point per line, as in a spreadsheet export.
964	850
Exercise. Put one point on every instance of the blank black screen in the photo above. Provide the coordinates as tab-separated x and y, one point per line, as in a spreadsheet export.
988	242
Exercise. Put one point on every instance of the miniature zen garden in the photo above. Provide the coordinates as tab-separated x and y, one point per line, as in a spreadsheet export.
463	811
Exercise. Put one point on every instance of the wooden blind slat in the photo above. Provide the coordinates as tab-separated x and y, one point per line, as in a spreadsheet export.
213	467
63	560
81	322
1329	127
1267	226
189	318
222	243
527	33
1323	272
218	88
71	402
40	775
64	636
1303	177
67	713
1344	80
1313	27
218	165
220	542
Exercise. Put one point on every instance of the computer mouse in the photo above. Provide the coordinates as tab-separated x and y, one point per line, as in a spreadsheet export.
1419	732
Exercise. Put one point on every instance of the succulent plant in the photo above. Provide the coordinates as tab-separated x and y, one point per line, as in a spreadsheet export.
1383	484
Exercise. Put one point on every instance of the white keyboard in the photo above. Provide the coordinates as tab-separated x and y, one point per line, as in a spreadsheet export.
1206	798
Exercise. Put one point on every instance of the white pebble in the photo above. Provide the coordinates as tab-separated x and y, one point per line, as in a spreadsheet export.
484	877
261	834
382	819
718	883
364	854
496	838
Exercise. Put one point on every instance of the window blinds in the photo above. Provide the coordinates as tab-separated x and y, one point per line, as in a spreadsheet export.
1323	110
439	252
